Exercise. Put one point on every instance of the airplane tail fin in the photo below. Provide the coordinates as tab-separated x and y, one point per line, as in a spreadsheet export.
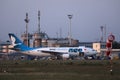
17	43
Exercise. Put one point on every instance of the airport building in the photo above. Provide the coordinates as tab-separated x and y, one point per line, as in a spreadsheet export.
87	44
42	40
4	46
101	49
98	46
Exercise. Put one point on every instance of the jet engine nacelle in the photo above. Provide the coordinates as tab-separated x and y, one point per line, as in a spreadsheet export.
63	56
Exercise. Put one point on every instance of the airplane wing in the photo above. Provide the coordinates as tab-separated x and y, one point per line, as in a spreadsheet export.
53	52
58	54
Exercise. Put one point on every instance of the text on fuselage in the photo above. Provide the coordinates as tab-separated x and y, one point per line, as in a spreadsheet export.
75	50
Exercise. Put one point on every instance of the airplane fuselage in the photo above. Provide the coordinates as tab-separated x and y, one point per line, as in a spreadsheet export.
49	51
64	52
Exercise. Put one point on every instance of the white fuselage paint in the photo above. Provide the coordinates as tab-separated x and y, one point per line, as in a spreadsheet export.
73	52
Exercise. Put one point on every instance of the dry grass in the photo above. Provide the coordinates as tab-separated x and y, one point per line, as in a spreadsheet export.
59	70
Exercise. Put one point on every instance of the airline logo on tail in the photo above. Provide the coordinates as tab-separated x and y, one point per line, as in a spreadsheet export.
14	41
17	43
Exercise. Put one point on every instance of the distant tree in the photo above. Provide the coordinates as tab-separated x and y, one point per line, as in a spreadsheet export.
116	45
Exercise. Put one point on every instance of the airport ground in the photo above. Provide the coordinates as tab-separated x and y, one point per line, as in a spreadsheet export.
59	70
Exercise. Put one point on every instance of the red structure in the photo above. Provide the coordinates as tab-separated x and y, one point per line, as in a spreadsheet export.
110	39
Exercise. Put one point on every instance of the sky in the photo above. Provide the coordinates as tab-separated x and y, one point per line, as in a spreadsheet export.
88	17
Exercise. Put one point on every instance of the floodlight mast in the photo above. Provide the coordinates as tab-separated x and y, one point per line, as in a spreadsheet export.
39	22
69	33
27	20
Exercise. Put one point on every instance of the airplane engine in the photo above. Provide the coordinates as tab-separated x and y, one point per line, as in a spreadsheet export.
63	56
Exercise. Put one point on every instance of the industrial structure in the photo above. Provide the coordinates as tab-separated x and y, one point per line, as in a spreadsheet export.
40	38
26	39
38	35
43	40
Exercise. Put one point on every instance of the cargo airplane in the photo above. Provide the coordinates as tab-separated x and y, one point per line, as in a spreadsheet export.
59	52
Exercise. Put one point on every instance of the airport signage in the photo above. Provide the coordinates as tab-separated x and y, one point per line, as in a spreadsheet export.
111	38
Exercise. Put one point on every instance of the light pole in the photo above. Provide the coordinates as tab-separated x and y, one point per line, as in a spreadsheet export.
27	20
39	22
103	33
69	33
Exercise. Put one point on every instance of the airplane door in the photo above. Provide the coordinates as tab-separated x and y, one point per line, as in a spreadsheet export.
81	54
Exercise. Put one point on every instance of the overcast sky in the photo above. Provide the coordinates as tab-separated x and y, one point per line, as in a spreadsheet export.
88	16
